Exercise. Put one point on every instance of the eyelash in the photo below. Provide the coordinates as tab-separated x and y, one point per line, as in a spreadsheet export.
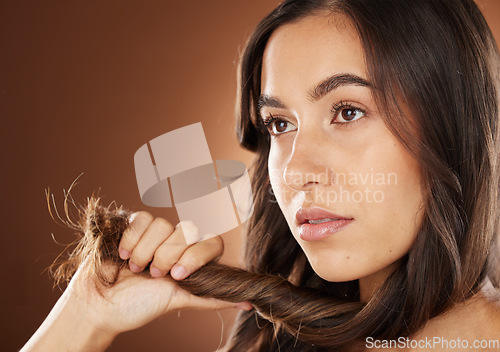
268	121
344	105
336	109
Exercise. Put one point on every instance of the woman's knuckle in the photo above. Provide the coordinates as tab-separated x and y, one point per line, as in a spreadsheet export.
142	218
219	242
139	255
163	264
138	223
163	225
125	243
216	245
191	260
162	254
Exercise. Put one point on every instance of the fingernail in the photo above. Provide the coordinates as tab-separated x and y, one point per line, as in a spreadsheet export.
155	272
178	272
134	268
124	254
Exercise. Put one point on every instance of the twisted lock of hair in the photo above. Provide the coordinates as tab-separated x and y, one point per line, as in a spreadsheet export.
298	311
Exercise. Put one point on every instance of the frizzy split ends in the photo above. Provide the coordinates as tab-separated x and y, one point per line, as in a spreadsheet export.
435	69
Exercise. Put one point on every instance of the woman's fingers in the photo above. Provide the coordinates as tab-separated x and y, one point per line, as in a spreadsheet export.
138	223
197	255
155	240
168	253
157	233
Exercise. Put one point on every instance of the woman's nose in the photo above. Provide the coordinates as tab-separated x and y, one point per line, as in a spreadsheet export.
307	166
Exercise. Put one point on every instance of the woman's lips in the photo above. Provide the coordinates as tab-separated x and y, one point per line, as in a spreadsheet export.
316	223
316	232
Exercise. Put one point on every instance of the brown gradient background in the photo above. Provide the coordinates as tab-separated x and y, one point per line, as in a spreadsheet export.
83	84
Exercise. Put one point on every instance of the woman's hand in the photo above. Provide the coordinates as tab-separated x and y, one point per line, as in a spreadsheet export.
135	300
84	320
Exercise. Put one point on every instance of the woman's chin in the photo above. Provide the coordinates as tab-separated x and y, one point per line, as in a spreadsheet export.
342	270
336	273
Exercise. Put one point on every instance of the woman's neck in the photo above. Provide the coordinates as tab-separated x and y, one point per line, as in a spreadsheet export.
368	285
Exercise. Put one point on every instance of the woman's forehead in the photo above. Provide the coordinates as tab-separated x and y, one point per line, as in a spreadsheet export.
303	53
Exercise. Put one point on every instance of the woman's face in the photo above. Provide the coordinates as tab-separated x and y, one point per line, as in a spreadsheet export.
348	189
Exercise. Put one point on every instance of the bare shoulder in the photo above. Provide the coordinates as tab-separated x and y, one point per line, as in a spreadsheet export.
473	325
489	299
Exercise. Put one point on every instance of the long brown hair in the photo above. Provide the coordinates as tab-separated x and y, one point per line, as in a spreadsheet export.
439	58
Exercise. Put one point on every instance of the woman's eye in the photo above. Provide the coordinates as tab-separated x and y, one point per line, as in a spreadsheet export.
278	126
348	115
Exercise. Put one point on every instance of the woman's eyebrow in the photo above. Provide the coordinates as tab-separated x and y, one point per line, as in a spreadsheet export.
336	81
269	101
322	89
